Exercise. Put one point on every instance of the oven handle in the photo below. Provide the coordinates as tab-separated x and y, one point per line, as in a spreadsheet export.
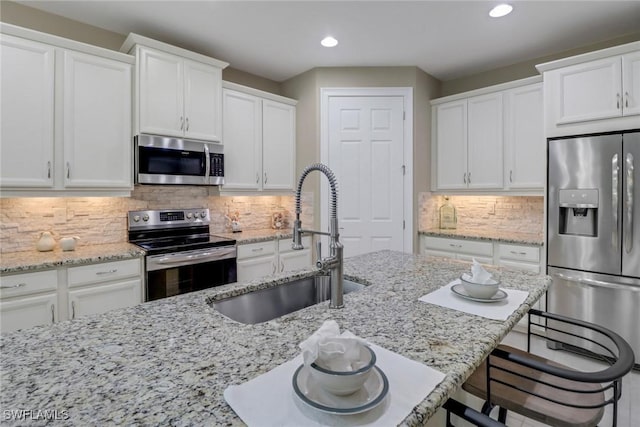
164	261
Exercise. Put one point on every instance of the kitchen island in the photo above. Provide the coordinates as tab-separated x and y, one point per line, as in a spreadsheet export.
169	361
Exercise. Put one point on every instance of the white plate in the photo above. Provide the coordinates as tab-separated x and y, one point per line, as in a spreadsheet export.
371	394
459	290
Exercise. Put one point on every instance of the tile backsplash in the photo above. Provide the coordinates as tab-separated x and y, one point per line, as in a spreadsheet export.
485	213
100	220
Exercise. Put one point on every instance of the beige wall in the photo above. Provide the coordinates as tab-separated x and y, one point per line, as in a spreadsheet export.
523	69
306	88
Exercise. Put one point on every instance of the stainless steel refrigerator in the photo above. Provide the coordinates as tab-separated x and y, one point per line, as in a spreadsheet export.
593	231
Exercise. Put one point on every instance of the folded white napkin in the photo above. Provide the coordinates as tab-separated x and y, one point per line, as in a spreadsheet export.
500	310
331	349
478	274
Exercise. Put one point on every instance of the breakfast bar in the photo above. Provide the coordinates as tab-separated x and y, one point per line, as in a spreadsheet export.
169	361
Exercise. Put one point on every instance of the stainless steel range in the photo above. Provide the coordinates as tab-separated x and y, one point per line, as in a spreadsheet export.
181	254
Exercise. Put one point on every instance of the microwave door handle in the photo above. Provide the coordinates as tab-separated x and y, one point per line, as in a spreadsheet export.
614	199
628	234
207	164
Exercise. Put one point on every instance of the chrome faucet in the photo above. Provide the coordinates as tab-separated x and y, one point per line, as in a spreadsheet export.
333	262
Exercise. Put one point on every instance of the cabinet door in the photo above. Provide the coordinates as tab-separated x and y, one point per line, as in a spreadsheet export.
255	268
101	298
631	83
202	101
97	122
242	137
26	122
160	93
278	145
588	91
23	313
294	260
451	148
484	141
525	144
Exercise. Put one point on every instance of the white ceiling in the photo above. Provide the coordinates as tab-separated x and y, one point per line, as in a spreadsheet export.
280	39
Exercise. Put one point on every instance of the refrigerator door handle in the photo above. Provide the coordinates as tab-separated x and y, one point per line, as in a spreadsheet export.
592	282
614	199
628	234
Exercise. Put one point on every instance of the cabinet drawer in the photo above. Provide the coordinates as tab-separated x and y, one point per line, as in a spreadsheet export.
251	250
519	253
471	247
284	245
102	272
522	266
28	283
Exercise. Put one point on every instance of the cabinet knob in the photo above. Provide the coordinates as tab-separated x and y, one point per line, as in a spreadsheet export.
19	285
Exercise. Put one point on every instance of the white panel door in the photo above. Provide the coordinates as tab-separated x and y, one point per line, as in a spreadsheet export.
525	144
242	139
97	122
589	91
161	93
366	154
102	298
255	268
202	101
278	145
23	313
26	115
451	151
484	141
631	83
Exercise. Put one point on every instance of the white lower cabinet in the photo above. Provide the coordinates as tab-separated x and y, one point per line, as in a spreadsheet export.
519	257
45	297
264	259
458	249
28	299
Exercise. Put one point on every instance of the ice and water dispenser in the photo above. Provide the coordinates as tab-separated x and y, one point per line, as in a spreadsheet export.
578	212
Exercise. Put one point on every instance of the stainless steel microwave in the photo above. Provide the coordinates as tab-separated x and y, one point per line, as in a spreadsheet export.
167	160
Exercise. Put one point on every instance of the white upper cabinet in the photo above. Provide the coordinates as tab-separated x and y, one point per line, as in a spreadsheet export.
490	140
26	122
259	134
594	92
66	117
178	93
97	121
525	144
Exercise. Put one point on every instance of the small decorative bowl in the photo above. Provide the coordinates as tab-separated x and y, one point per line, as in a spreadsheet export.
480	290
342	383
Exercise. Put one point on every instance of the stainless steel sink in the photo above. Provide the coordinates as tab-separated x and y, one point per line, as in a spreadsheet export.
267	304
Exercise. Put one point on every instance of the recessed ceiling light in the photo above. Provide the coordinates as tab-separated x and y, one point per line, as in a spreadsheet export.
500	10
329	42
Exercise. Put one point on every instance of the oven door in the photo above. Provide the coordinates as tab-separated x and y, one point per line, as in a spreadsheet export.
164	160
182	272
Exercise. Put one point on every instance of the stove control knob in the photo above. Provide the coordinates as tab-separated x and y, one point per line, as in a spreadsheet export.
136	218
145	217
203	215
189	215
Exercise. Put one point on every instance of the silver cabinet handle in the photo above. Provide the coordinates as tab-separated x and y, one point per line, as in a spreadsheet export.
102	273
265	177
614	199
19	285
617	100
626	99
53	313
455	246
49	169
257	177
281	266
469	178
273	271
73	309
181	123
464	177
593	282
257	249
628	233
511	176
187	120
518	253
68	170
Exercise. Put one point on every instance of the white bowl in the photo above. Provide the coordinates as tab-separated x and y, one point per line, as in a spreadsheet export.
342	383
480	290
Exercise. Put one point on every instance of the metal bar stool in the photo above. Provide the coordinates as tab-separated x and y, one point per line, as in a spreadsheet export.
549	392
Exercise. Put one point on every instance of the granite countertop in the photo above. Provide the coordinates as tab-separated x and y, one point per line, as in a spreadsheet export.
169	361
500	236
255	236
25	261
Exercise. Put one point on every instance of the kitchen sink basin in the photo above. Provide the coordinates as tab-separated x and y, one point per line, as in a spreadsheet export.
267	304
